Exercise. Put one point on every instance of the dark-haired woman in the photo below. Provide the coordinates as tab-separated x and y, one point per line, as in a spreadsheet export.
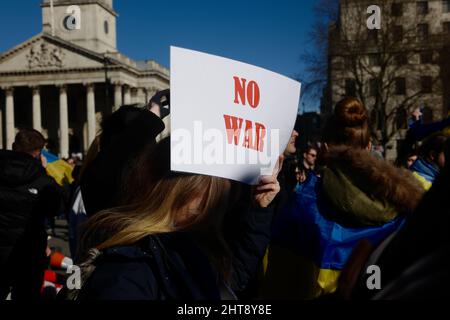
358	197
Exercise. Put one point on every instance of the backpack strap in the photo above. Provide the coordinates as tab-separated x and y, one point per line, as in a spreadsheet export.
86	270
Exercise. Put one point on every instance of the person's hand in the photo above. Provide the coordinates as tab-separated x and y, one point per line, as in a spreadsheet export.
155	109
302	177
48	251
416	114
43	161
268	186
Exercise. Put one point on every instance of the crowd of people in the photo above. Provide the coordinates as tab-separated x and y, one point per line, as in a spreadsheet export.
139	231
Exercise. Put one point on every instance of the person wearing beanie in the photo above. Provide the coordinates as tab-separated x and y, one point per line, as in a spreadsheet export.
357	197
123	135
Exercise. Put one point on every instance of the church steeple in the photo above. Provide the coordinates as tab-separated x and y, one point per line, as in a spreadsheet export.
87	23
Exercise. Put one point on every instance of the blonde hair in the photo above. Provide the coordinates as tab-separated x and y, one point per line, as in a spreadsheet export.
154	209
157	213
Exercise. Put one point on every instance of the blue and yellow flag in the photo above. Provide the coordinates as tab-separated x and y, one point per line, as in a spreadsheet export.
58	169
306	228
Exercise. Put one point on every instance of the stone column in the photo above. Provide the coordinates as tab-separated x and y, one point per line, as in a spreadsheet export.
37	122
90	103
147	95
151	92
118	101
127	95
9	115
63	122
134	96
141	96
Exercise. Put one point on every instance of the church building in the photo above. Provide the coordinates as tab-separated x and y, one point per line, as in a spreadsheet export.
66	78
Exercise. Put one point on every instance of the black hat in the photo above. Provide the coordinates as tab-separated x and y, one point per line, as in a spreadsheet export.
130	125
125	133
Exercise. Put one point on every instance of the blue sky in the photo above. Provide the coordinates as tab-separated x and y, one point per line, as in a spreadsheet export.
268	33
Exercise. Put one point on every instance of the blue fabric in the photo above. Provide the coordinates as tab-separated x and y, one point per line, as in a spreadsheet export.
420	130
298	187
307	228
49	156
425	169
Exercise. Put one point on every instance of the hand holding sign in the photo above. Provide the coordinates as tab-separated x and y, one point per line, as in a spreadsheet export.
268	186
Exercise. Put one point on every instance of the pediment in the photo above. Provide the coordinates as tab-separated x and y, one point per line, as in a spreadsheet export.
42	53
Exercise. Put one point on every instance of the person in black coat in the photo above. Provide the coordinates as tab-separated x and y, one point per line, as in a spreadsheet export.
27	196
167	243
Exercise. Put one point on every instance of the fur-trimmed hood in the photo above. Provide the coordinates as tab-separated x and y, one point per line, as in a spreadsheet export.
368	189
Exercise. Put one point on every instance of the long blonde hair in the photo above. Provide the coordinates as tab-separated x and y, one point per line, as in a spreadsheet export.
158	196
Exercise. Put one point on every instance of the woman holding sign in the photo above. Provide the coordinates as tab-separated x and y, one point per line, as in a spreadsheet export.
167	244
358	197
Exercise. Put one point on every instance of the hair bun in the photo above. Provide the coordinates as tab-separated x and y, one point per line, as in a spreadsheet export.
350	112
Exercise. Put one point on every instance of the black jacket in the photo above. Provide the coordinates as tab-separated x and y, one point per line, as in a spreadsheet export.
27	196
287	180
174	267
163	267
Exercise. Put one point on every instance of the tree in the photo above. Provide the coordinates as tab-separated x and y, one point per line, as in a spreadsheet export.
386	68
315	78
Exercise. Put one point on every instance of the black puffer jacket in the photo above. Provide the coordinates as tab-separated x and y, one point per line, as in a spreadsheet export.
27	196
163	267
174	267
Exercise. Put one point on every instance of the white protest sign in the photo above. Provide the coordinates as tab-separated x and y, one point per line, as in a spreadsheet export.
228	119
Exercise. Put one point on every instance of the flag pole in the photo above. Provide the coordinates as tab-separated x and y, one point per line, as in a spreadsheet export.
52	15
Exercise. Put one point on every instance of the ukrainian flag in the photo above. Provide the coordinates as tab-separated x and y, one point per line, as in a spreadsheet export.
58	169
307	235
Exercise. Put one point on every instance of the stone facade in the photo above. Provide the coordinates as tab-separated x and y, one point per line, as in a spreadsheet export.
411	48
63	81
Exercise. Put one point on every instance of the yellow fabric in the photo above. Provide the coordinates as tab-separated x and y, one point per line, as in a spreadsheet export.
266	261
446	132
61	171
288	276
425	184
328	280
